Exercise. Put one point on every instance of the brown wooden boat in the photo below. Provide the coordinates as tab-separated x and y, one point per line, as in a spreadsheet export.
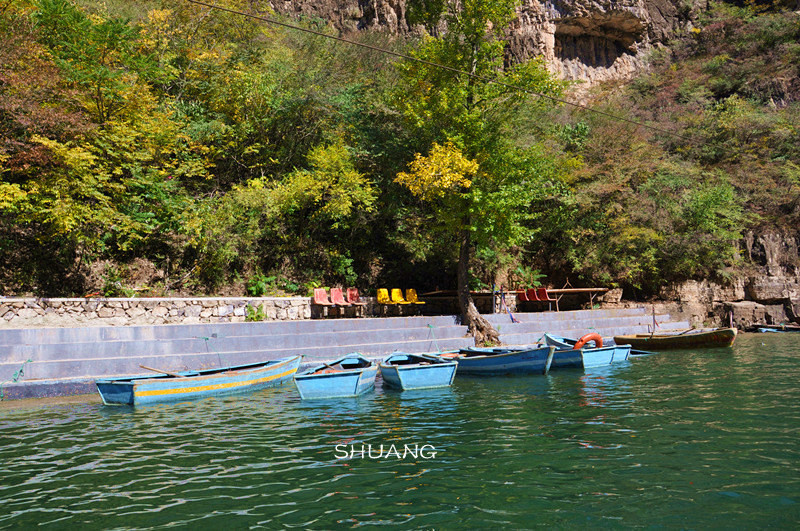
687	339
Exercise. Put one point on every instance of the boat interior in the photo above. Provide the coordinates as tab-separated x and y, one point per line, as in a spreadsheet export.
409	359
344	364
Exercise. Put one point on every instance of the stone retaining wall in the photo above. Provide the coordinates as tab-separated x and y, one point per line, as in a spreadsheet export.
17	313
33	312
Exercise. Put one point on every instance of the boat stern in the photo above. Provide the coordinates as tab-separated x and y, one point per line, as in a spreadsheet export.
115	393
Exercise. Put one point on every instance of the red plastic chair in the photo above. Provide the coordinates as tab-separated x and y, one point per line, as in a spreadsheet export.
545	297
354	298
321	297
338	298
532	296
522	296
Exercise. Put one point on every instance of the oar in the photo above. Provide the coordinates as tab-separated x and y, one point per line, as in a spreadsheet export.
175	374
331	367
641	352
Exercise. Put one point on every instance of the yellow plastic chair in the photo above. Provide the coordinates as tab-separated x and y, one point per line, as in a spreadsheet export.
397	297
383	297
411	296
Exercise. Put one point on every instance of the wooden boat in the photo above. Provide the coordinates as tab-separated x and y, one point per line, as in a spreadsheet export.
567	356
495	361
417	371
186	385
687	339
349	376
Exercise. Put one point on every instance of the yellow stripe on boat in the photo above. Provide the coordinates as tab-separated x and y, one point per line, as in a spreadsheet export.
184	390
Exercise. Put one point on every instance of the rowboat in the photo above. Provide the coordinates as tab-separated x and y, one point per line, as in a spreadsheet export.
494	361
567	356
349	376
417	371
688	339
186	385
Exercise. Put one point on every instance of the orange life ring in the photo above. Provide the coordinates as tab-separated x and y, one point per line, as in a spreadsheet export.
594	336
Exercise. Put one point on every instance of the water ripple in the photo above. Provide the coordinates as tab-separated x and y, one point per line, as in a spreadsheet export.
672	440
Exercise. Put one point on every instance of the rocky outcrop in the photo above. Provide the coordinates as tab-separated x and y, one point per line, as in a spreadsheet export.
349	16
769	294
592	41
775	253
582	40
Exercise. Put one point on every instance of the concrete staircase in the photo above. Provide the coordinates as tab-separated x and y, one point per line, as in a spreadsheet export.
67	360
574	324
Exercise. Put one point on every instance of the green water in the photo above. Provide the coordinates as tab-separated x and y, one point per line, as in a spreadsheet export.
705	439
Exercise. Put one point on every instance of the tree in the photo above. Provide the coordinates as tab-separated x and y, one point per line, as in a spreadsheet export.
476	181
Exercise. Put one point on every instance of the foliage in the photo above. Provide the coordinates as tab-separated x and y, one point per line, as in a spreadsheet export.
444	171
240	157
524	276
259	285
113	284
329	192
473	171
255	313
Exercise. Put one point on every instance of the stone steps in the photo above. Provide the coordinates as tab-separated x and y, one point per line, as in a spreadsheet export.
39	336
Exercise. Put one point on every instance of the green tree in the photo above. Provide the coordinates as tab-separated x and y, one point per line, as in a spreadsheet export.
96	54
312	217
475	183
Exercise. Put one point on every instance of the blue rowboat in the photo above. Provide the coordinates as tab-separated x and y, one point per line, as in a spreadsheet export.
495	361
351	375
566	356
186	385
417	371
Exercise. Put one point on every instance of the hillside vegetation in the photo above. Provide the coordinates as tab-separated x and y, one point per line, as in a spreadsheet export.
158	148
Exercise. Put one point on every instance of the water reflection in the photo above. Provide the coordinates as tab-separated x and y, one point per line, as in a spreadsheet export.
606	386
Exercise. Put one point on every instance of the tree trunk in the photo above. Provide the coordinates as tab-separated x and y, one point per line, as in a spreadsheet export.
481	329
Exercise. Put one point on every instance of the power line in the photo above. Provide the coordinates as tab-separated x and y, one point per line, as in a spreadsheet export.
437	65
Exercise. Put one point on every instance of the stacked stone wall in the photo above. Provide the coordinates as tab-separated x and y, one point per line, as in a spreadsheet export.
16	313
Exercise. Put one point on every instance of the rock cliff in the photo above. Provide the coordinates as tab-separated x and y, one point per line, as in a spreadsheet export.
582	40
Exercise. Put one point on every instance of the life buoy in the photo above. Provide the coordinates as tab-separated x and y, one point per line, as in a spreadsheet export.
594	336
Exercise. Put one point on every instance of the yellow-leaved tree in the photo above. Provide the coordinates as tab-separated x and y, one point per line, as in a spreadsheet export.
445	170
476	183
